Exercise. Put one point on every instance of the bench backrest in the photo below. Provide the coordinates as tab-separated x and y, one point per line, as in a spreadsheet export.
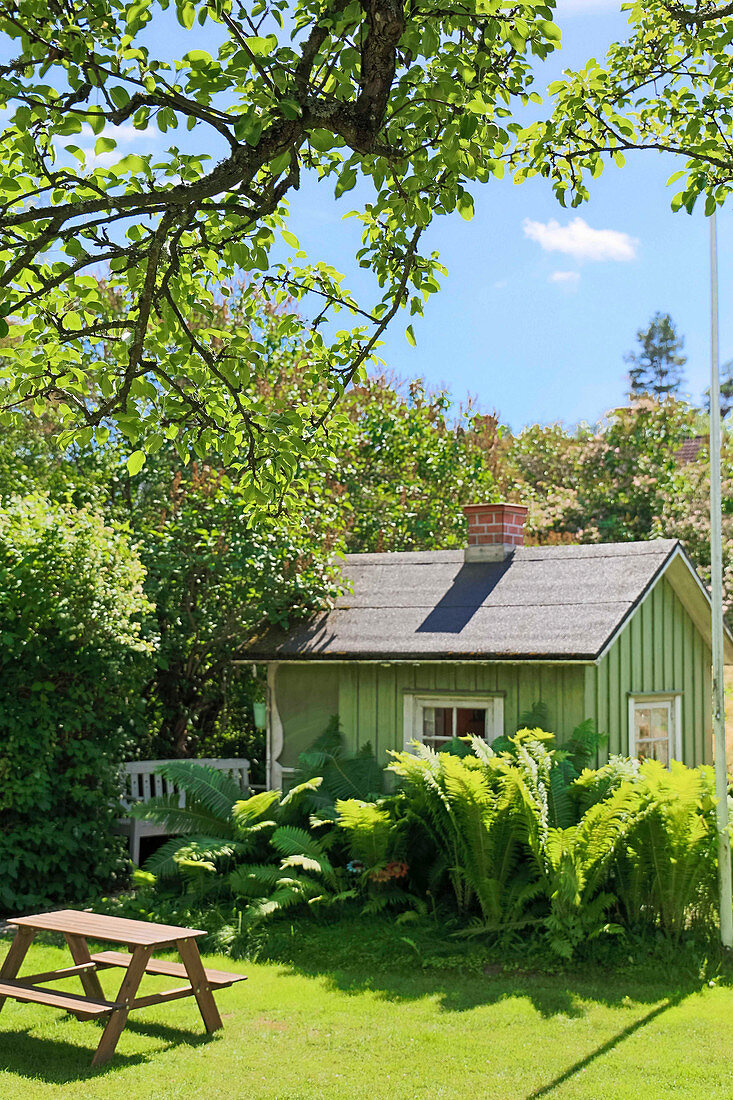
140	782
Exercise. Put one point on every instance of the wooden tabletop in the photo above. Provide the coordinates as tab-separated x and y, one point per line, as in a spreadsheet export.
111	929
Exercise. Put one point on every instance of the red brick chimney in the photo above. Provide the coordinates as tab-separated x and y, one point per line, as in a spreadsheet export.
494	530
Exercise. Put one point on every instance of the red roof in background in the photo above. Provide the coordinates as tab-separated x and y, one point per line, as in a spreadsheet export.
690	449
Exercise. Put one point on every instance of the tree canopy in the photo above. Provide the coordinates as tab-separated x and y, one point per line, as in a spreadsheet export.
667	87
411	100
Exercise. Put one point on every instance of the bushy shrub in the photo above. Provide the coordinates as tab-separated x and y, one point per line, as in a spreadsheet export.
71	668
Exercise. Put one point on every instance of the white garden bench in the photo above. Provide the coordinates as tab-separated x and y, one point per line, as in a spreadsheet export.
140	782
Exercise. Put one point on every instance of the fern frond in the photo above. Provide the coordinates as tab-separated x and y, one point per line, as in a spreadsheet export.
536	717
213	789
191	818
165	862
251	880
246	811
161	863
368	827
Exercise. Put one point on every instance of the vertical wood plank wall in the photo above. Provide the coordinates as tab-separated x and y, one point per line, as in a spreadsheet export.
659	650
369	697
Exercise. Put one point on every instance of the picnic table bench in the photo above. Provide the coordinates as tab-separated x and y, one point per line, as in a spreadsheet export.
142	938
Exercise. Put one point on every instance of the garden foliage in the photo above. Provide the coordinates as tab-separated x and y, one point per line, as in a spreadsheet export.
71	662
504	844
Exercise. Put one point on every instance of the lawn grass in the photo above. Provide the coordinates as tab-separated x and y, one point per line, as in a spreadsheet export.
353	1011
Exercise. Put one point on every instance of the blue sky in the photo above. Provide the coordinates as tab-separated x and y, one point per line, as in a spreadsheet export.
539	308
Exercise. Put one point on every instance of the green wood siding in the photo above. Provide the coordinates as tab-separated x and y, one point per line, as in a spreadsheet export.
369	697
659	650
307	696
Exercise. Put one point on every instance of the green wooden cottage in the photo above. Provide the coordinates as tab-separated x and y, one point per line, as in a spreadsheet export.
427	645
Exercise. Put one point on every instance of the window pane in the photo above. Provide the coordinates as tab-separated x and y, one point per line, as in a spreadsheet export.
653	727
660	721
653	750
471	722
437	722
643	723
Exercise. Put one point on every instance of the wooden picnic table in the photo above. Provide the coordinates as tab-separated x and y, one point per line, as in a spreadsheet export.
142	938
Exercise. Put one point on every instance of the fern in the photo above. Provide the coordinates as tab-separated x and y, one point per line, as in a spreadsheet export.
582	745
476	813
215	827
245	812
303	875
163	863
193	818
667	877
342	774
212	789
369	830
537	717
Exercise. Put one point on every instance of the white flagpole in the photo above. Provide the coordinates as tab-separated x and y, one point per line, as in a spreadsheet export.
716	578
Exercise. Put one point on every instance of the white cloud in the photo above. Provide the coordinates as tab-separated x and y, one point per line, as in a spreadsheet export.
500	284
128	140
578	240
124	134
102	160
566	278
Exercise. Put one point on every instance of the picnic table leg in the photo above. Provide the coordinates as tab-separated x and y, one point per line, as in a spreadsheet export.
118	1019
189	952
14	958
89	978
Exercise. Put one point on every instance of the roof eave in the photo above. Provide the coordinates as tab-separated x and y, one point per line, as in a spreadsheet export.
691	592
418	658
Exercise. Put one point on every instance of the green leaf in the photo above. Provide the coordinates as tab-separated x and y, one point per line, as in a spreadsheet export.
346	181
186	15
322	140
95	118
135	462
410	336
120	96
260	47
550	30
464	204
104	145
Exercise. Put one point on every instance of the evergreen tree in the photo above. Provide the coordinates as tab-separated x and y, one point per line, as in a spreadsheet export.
656	368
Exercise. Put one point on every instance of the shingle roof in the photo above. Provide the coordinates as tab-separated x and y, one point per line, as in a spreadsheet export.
555	602
690	449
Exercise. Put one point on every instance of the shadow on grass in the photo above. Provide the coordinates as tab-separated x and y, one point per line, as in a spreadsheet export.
660	987
604	1048
56	1061
384	961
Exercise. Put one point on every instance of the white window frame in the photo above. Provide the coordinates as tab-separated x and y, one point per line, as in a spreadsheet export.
414	702
673	700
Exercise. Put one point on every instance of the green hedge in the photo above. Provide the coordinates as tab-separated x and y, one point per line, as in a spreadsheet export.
71	668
